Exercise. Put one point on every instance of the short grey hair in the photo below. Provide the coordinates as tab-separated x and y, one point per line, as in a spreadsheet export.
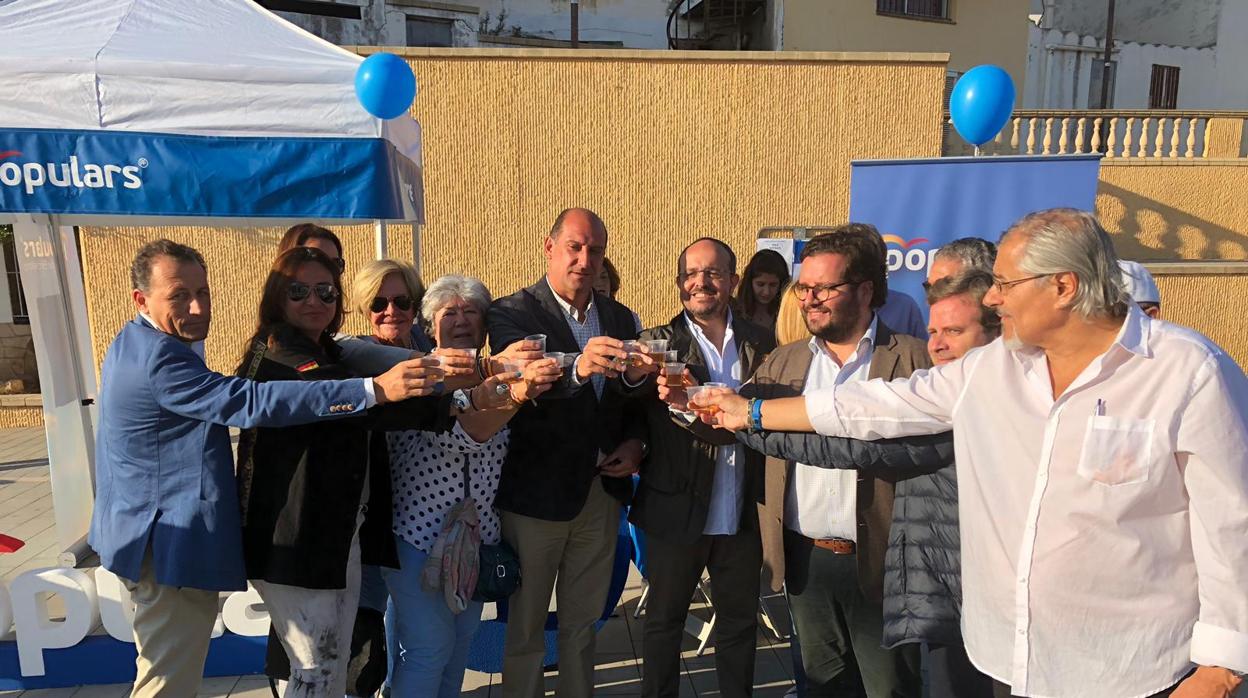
970	253
454	287
1068	240
974	283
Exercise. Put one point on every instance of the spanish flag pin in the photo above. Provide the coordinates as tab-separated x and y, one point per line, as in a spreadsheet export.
307	366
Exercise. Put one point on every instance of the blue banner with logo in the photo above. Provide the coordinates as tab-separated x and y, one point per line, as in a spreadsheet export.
919	205
152	174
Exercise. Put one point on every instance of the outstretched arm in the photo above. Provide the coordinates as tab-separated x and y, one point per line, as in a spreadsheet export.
922	453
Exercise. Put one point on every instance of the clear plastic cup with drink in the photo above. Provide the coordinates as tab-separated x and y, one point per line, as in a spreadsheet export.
694	390
655	349
540	339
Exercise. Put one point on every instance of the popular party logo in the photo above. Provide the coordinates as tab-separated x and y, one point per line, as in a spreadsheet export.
908	253
33	175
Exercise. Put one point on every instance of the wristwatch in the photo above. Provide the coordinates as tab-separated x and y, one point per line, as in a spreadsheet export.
461	401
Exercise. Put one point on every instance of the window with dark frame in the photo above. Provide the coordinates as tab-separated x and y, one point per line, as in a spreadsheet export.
428	31
927	9
1163	91
13	277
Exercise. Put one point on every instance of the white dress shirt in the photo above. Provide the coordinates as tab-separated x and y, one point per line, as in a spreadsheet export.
1104	533
823	502
723	517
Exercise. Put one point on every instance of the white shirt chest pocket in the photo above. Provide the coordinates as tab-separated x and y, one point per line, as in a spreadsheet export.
1116	450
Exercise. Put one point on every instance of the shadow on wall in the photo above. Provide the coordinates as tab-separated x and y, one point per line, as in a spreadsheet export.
1148	230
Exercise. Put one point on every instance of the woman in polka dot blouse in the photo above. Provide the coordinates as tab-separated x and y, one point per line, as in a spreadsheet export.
427	472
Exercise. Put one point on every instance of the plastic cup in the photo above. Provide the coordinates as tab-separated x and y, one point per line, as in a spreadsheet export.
540	339
674	373
694	390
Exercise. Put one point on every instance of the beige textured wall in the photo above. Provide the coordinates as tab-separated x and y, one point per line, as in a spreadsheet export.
982	31
1212	304
238	262
666	146
1171	211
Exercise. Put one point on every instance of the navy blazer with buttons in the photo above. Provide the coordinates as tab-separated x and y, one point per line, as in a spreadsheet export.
164	465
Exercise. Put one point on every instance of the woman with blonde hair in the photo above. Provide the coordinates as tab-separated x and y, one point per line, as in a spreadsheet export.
790	322
389	293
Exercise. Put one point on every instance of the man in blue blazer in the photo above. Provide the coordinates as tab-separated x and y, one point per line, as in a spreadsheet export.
166	518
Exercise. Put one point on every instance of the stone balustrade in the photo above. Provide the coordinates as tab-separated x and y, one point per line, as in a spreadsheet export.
1176	135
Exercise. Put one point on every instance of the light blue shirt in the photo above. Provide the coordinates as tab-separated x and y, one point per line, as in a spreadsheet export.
723	517
585	326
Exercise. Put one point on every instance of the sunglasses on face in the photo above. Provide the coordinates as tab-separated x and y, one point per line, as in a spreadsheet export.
380	303
298	291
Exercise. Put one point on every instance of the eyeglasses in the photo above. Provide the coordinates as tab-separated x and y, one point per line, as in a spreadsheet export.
1002	286
342	263
380	303
821	292
712	274
298	291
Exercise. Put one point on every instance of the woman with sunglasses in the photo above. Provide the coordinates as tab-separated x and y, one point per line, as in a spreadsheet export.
364	358
305	491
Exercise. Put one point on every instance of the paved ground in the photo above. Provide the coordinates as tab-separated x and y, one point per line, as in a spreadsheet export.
26	513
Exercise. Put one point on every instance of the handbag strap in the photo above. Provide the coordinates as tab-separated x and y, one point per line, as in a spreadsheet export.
247	440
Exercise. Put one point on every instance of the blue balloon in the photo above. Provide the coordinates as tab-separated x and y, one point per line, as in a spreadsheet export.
385	85
981	103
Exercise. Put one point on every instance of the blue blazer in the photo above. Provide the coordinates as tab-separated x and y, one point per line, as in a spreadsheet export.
164	466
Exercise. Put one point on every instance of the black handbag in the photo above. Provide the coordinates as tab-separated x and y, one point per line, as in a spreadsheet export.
499	576
500	573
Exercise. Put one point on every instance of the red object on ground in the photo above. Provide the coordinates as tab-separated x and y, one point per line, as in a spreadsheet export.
9	544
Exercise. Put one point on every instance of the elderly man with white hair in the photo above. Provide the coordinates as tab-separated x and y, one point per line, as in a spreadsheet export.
1102	462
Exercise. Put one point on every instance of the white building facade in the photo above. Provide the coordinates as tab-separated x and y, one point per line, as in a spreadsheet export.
1167	54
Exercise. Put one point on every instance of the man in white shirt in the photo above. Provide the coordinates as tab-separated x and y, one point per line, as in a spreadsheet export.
1103	469
695	498
825	532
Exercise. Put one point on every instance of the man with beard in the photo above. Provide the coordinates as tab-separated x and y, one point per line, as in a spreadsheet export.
1102	471
824	532
695	497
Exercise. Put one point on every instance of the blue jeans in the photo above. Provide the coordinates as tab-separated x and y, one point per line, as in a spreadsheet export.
433	642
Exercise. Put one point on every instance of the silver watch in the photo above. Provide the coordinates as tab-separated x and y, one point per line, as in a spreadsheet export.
460	399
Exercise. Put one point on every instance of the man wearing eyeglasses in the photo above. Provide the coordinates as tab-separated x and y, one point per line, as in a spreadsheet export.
1102	461
825	532
695	498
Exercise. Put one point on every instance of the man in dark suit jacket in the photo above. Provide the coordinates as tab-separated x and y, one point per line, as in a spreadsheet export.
570	460
695	499
824	535
166	518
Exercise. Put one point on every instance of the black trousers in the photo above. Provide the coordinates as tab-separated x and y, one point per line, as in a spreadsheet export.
674	570
950	673
841	630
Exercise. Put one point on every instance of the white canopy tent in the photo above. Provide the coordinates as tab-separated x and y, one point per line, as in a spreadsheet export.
169	112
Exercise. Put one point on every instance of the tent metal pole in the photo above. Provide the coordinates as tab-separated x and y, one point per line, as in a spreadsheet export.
52	281
379	239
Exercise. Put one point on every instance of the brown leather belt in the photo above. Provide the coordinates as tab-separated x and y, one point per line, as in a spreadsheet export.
838	546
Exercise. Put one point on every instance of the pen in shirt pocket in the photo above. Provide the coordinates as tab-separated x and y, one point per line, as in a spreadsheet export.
1100	408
